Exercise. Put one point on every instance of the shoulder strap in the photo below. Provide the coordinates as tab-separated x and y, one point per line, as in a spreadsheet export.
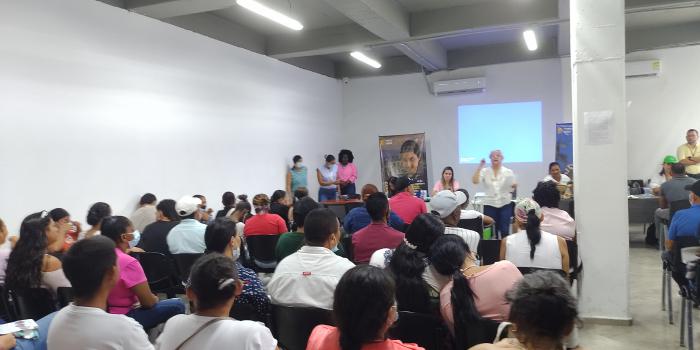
201	328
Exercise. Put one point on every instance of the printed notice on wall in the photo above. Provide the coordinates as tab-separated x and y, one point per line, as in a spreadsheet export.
598	127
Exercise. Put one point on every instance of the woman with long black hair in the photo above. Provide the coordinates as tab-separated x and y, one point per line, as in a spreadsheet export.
475	292
29	265
364	309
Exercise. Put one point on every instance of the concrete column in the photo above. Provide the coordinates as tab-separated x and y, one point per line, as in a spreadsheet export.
600	156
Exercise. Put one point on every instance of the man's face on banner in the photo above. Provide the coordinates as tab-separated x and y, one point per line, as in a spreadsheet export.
409	163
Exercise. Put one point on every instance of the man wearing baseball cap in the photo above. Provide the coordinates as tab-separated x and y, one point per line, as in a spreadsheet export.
686	222
188	235
447	205
404	203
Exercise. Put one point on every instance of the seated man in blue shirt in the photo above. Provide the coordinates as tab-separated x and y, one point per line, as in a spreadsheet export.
358	218
187	237
686	222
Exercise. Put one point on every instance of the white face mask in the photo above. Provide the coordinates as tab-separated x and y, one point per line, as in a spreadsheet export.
298	165
236	254
137	238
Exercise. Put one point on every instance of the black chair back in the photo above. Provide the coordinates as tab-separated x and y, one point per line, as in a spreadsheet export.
33	303
6	311
262	251
574	267
489	250
346	241
184	264
293	325
161	273
426	330
475	224
529	270
677	265
246	312
675	206
64	296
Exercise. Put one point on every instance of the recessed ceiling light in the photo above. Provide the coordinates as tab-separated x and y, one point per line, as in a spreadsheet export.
366	60
271	14
530	39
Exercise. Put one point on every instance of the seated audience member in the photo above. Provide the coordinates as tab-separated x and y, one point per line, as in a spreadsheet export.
214	286
686	222
69	229
416	280
543	313
264	223
278	205
155	236
534	247
187	237
358	218
290	242
146	213
467	213
132	286
221	238
391	186
96	213
300	193
29	265
241	212
378	234
205	216
447	205
671	191
555	220
4	253
228	199
91	266
475	292
663	175
404	203
447	181
364	309
312	272
555	175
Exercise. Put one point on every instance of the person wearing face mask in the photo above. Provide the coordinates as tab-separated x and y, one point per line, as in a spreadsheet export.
206	216
500	185
314	270
347	173
188	235
364	309
327	176
132	288
297	175
221	237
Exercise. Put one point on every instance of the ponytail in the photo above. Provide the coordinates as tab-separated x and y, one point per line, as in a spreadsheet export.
468	327
533	231
407	265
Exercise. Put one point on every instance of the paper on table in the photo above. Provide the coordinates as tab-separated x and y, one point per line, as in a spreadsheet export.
598	126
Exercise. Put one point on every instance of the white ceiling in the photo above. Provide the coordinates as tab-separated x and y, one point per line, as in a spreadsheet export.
494	38
662	18
424	5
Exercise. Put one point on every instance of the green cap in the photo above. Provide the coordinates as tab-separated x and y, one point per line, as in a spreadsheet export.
670	160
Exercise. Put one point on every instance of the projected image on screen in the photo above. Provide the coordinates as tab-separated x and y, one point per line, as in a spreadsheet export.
514	128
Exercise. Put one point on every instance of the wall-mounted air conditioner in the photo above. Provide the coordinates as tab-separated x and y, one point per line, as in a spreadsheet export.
459	86
639	69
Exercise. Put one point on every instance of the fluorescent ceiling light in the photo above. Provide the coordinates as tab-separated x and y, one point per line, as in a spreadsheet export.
271	14
366	60
530	39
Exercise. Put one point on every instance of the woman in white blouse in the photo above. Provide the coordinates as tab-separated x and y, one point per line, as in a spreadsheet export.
500	185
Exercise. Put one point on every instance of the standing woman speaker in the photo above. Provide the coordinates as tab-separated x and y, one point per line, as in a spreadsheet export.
327	176
499	182
297	176
347	173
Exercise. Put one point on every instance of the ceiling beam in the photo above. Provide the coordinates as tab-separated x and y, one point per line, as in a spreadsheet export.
161	9
501	53
221	29
323	41
662	37
389	21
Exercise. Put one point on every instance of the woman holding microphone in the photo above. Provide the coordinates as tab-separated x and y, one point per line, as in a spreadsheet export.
499	182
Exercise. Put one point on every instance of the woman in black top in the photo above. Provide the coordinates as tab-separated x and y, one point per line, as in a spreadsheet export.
278	205
228	199
154	236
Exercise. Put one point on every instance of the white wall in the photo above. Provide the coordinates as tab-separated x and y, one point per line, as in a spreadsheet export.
402	104
662	108
99	104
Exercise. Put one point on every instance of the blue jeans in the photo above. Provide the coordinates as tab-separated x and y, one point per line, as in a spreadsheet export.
348	189
326	194
501	217
159	313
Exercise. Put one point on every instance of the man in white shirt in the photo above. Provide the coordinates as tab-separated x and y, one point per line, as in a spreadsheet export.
91	267
188	236
146	213
308	277
447	205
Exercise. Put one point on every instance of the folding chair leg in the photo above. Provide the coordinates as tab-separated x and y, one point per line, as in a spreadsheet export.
669	286
663	290
689	314
683	302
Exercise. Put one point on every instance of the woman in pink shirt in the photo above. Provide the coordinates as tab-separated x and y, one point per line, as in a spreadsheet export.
447	181
476	292
364	309
555	220
347	173
132	296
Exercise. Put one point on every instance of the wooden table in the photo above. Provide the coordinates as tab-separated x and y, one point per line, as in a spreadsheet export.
340	206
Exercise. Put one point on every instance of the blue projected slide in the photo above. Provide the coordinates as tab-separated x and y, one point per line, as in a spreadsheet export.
514	128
